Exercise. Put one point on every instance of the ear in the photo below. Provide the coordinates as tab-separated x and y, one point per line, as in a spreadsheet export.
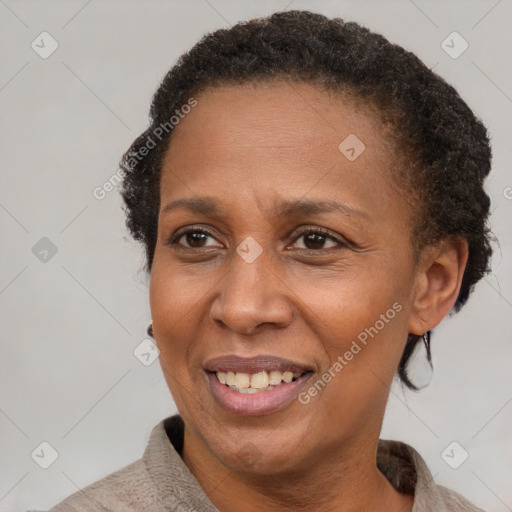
438	280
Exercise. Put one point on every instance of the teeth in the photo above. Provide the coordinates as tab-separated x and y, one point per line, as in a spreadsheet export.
261	381
275	378
246	390
250	390
287	376
242	380
230	378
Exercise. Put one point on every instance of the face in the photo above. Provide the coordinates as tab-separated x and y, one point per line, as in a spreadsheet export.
280	256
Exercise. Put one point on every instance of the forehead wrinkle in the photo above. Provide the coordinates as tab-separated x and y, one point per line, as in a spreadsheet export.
298	208
203	205
284	208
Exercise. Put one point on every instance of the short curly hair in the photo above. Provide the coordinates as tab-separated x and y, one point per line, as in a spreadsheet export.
444	149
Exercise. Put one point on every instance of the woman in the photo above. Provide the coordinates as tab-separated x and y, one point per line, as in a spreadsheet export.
310	200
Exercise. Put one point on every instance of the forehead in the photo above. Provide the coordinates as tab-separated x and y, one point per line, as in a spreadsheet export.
294	138
280	113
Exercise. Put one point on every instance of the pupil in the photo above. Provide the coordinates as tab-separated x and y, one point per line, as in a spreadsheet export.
314	241
195	238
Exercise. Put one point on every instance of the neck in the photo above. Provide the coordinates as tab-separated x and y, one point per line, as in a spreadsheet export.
340	482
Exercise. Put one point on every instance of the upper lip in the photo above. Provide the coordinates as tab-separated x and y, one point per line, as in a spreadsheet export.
231	363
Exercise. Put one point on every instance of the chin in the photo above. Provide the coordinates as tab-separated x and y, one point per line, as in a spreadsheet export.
262	446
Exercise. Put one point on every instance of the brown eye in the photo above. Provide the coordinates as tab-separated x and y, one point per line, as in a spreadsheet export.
317	240
314	240
193	239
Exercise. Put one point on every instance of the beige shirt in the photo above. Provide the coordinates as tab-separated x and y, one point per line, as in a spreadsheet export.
161	482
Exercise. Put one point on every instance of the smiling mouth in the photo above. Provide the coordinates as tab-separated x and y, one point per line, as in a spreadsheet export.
257	382
256	385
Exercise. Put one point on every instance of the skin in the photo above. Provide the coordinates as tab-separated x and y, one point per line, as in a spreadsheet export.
250	147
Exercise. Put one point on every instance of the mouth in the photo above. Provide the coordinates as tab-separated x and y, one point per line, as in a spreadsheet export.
255	386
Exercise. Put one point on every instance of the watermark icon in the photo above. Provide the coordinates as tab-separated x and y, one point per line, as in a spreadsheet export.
355	347
249	455
146	352
454	45
44	455
507	192
351	147
150	143
44	45
454	455
44	250
249	249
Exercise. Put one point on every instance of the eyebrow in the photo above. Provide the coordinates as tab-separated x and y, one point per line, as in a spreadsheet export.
284	208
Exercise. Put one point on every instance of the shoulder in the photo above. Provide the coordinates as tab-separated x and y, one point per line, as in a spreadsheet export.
149	484
406	470
128	489
432	496
455	502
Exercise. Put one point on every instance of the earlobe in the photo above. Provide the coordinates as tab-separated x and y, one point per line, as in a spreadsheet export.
439	278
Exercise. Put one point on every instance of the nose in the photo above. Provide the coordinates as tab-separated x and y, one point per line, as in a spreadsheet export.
252	296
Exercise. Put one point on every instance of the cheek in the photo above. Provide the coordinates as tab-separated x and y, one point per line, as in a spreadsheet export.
360	319
175	298
344	304
363	344
174	306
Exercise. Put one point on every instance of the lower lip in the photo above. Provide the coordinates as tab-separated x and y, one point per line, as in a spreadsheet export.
255	404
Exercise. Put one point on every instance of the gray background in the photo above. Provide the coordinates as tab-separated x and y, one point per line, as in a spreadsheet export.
70	324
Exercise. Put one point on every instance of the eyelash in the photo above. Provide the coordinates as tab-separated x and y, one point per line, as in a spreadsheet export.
320	231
